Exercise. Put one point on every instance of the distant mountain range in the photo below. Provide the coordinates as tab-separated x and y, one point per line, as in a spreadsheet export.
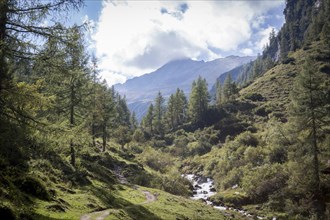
141	91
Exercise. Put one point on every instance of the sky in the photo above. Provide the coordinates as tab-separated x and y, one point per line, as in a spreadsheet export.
131	38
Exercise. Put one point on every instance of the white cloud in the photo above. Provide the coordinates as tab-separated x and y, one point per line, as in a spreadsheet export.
247	51
263	36
135	37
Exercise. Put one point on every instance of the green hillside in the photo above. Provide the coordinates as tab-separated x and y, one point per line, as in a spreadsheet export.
71	149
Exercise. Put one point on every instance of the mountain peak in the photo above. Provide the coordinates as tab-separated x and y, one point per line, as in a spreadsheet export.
179	73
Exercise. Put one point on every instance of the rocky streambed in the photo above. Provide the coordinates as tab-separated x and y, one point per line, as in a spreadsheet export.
203	189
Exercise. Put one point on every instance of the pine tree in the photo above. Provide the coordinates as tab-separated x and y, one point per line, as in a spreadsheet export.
21	21
104	114
198	102
181	107
171	112
133	122
229	89
310	111
218	94
159	112
147	121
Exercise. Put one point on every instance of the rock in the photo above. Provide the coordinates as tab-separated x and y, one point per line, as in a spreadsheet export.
197	186
194	192
213	189
201	179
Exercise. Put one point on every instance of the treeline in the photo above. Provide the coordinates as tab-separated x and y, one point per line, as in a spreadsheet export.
50	92
180	112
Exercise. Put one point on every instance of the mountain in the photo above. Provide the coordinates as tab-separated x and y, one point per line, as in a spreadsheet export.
140	91
237	74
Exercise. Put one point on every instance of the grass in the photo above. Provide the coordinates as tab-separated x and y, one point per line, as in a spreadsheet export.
128	203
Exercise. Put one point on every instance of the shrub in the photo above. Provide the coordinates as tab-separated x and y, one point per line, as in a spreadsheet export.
254	97
263	181
33	186
138	136
156	160
247	139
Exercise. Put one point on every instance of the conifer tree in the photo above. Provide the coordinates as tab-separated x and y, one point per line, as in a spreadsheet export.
218	94
310	112
133	122
159	112
148	120
229	89
198	102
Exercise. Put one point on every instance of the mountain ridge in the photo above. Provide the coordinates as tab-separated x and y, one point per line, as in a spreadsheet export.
172	75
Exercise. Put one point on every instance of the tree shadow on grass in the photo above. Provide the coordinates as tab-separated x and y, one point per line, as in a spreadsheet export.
135	211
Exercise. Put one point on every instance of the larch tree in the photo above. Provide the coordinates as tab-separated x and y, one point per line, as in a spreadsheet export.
218	94
199	99
310	113
22	25
159	113
147	121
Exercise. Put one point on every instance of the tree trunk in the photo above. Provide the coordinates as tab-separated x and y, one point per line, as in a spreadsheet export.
104	137
318	200
72	153
93	131
72	95
3	22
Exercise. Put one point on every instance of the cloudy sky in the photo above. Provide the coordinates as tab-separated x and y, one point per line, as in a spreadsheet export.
131	38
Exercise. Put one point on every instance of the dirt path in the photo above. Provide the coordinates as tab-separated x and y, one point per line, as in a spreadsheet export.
101	215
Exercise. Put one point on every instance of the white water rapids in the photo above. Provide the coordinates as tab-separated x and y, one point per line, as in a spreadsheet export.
203	189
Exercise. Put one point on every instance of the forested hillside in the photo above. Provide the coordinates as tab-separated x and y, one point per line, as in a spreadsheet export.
71	149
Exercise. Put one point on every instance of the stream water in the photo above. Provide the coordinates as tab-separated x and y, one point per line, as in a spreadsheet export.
203	189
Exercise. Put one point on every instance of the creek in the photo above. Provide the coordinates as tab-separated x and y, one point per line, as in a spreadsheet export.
203	189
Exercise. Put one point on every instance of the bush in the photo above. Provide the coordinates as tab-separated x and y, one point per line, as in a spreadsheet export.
263	181
138	136
199	147
247	139
156	160
33	186
230	199
254	97
233	177
175	184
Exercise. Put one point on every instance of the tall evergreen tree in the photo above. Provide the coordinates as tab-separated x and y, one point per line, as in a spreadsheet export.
181	107
229	89
218	94
159	112
104	114
133	122
147	121
310	111
199	99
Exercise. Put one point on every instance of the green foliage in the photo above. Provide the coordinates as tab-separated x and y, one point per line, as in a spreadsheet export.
33	186
138	136
198	102
156	160
254	97
262	181
159	113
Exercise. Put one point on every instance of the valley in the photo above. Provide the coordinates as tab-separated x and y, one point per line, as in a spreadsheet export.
239	137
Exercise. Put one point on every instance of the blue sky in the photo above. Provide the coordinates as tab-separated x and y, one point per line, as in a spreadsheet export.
131	38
